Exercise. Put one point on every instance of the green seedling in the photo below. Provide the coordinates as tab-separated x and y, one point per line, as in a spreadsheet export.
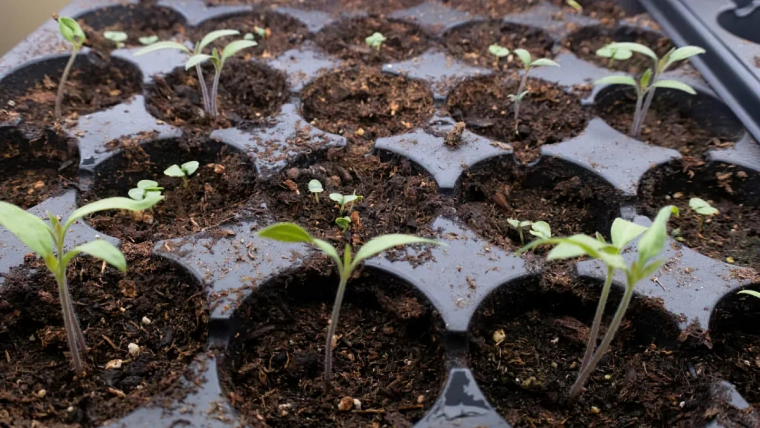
541	229
704	209
315	187
650	80
751	293
344	223
375	41
575	5
71	32
186	170
248	36
519	225
528	64
289	232
143	189
148	40
614	54
498	51
261	32
118	37
47	241
623	232
197	57
344	200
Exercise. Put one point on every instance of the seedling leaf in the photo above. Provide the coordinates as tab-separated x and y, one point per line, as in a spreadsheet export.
634	47
71	31
163	45
498	50
653	240
524	56
616	54
235	47
190	167
382	243
196	59
675	84
115	36
315	187
148	40
102	250
148	184
212	36
28	228
328	249
624	231
751	293
286	232
118	203
174	171
375	41
702	207
541	229
683	53
544	62
137	194
616	80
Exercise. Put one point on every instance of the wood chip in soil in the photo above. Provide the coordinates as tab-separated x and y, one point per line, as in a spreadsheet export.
37	382
388	355
548	114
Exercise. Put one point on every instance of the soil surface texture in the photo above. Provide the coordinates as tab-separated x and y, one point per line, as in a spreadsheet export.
136	20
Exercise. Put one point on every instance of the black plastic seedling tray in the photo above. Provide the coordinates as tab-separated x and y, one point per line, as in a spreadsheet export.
457	280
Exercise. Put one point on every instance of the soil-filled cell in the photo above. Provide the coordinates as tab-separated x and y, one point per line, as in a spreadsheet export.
136	20
222	184
334	7
388	353
37	379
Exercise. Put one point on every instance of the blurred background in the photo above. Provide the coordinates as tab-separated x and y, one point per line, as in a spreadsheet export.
18	18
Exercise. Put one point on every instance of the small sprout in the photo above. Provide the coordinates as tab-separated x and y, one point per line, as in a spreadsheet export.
375	41
143	189
575	5
703	208
541	229
498	51
197	57
262	32
614	53
650	80
519	225
289	232
71	32
344	200
344	223
148	40
186	170
751	293
118	37
650	245
47	241
248	36
315	187
528	64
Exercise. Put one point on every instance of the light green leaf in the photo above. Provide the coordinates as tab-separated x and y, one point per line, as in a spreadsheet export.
148	184
337	197
600	238
524	56
190	167
544	62
28	228
71	31
646	78
649	270
541	229
195	60
575	5
286	232
375	41
565	250
236	47
616	80
675	84
151	198
343	222
330	251
751	293
163	45
174	171
702	207
248	36
115	36
350	198
315	186
212	36
616	54
624	231
593	248
653	240
137	194
634	47
498	50
382	243
148	40
683	53
262	32
102	250
520	96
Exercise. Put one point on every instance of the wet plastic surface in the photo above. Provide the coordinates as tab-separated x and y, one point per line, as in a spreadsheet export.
458	277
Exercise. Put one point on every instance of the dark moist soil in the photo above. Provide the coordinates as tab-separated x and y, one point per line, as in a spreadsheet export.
222	184
248	92
644	381
691	124
93	85
33	171
388	354
567	198
346	39
37	381
366	104
470	42
135	20
398	197
282	32
732	233
608	12
548	114
491	8
585	42
334	7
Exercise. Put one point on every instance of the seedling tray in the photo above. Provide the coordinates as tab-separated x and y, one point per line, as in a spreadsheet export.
431	178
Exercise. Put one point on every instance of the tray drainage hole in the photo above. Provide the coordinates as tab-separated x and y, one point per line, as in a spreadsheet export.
31	171
136	20
222	184
365	104
346	39
743	27
110	307
469	42
388	352
248	92
93	85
